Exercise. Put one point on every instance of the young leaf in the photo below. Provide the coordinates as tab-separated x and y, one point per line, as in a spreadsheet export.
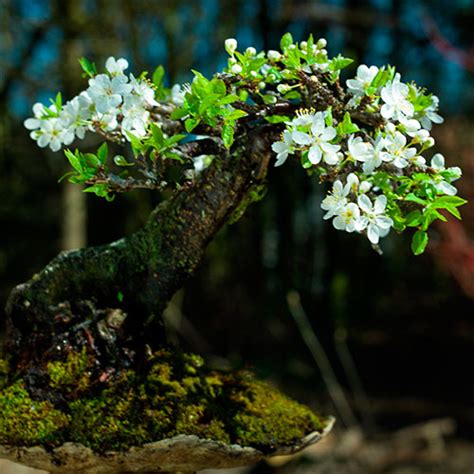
285	41
74	160
346	127
158	76
228	135
157	135
88	67
102	153
191	123
419	242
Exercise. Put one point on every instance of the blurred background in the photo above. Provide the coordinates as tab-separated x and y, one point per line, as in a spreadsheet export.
385	343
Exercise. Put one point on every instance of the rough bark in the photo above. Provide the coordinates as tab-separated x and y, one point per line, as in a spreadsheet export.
138	273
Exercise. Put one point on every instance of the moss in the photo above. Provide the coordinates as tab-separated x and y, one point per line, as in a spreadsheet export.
25	422
111	420
4	371
72	375
266	417
173	394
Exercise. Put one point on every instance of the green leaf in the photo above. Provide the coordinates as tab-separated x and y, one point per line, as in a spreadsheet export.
88	67
346	127
455	212
228	135
414	219
102	153
218	87
305	163
207	102
157	135
158	76
59	101
91	160
169	142
449	201
277	118
292	95
328	118
74	160
179	113
228	99
120	160
430	216
413	198
191	123
235	114
286	40
339	62
419	242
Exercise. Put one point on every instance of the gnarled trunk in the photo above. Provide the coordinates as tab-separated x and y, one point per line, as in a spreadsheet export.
137	274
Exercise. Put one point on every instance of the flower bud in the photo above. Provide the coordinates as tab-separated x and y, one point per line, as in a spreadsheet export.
321	43
303	45
429	142
251	51
273	55
283	88
236	69
230	45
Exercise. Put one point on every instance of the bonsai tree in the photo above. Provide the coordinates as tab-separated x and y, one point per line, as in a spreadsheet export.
88	360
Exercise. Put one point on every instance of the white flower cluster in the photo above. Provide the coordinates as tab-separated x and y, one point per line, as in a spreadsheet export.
113	102
308	132
396	147
353	210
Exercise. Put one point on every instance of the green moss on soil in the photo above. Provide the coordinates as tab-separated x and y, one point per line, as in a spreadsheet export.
173	395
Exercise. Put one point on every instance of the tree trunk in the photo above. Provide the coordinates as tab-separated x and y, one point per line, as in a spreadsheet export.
139	273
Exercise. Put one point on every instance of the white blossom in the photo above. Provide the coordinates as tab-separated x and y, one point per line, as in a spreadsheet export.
373	218
135	116
397	152
430	115
283	148
396	105
143	90
357	148
347	218
354	185
107	93
39	111
321	135
178	93
335	200
365	76
75	117
438	164
116	67
52	133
